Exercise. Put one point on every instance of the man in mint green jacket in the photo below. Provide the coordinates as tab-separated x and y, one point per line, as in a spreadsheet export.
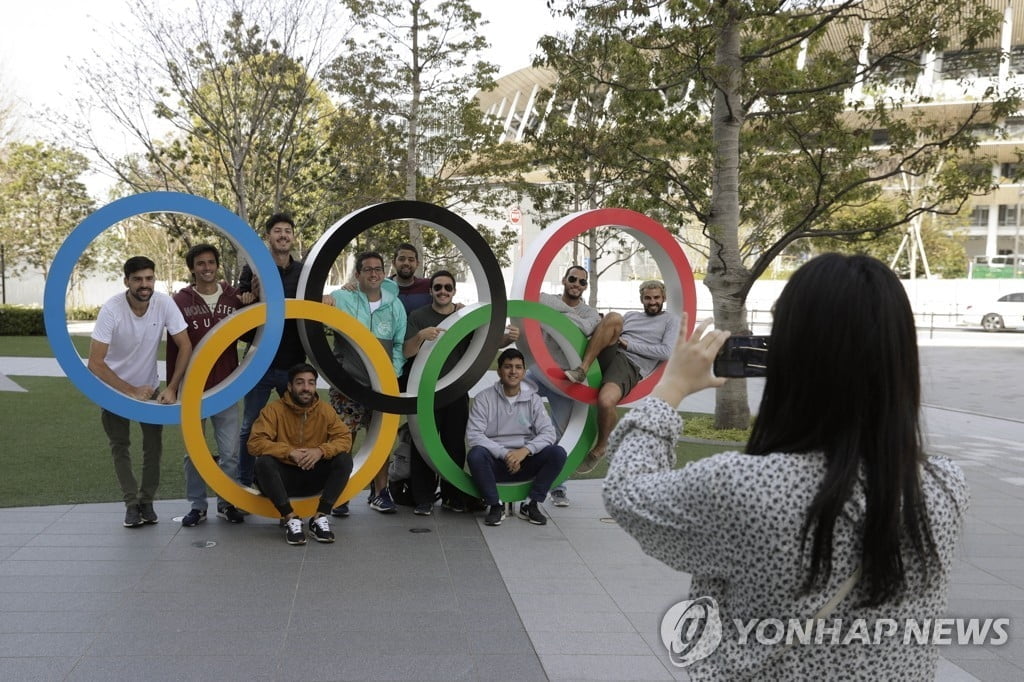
376	305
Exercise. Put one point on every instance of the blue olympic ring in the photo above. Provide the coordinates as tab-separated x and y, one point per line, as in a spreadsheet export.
245	240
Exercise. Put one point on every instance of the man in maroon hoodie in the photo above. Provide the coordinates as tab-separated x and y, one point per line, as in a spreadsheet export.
203	304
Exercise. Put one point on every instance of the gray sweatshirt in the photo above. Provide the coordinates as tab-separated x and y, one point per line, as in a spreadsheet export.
649	338
500	426
581	315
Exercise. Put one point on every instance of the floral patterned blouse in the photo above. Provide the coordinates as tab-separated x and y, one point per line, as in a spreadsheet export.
733	522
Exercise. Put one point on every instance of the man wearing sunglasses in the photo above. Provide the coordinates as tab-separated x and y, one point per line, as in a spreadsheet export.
424	325
571	305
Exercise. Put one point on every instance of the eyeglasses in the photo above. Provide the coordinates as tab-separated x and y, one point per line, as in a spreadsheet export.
572	279
379	270
446	287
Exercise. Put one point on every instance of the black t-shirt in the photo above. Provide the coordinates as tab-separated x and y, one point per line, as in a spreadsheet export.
290	352
424	317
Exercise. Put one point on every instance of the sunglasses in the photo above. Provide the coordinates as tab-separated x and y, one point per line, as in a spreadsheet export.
572	279
446	287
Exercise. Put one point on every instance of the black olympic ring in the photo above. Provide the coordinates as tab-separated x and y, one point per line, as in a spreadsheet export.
478	255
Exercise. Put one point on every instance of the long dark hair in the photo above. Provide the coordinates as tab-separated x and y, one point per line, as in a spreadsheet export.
843	379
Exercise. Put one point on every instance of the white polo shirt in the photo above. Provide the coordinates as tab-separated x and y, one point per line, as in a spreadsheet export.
134	341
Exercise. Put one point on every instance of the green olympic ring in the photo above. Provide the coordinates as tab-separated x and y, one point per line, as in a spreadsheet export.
424	426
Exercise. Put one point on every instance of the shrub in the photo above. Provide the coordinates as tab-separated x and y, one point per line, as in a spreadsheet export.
21	321
85	313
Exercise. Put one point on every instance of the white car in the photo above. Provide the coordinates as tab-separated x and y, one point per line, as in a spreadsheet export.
1006	313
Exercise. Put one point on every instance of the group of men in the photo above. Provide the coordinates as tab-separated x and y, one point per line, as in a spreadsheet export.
299	445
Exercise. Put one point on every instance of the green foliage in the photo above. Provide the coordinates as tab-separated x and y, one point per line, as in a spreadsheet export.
21	321
42	198
762	119
411	82
943	246
83	313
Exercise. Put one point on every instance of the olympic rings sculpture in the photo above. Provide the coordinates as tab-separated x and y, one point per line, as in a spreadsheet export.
427	389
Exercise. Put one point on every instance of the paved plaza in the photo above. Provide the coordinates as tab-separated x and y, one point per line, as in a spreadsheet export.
444	597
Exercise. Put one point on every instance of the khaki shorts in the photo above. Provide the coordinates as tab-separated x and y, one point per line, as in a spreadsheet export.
617	369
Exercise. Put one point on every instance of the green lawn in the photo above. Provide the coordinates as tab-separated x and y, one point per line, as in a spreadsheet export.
38	346
55	451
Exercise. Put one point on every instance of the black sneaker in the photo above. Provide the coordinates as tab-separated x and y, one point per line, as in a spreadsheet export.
193	518
132	516
293	532
528	511
147	512
383	503
495	514
230	513
423	509
340	511
320	527
457	506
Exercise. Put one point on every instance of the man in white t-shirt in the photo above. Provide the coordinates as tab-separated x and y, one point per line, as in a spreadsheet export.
122	354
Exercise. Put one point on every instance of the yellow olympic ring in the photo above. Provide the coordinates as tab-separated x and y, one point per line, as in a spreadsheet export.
215	343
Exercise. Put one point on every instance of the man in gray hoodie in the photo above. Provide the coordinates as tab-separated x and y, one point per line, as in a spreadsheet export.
511	438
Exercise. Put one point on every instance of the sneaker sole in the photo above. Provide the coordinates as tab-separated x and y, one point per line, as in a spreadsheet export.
422	513
383	510
323	540
140	524
561	503
222	515
296	542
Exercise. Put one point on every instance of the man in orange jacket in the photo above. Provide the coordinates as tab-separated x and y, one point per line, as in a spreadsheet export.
302	448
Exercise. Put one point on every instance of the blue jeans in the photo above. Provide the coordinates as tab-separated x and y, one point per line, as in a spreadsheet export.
225	432
561	406
275	379
487	471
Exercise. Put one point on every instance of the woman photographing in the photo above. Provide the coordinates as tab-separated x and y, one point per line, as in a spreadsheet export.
833	513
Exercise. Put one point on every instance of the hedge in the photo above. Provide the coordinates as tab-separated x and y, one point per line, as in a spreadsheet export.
16	320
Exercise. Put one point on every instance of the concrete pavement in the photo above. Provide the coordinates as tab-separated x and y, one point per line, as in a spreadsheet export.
444	597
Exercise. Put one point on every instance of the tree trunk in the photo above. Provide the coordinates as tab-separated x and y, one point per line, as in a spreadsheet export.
726	274
411	161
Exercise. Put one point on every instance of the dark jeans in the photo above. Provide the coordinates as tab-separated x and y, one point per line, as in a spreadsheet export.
117	429
542	467
275	379
279	481
451	426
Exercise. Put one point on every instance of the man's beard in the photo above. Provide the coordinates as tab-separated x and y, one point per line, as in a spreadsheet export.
297	398
656	312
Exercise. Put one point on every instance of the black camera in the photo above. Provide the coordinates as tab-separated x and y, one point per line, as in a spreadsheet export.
742	356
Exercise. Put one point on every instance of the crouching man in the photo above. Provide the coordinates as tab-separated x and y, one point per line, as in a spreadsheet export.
302	448
511	438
